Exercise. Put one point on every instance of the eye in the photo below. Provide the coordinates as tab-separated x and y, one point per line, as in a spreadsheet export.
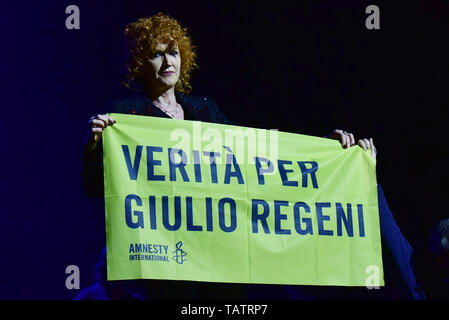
157	54
174	53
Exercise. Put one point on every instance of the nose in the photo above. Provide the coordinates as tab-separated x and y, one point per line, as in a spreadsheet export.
166	60
165	63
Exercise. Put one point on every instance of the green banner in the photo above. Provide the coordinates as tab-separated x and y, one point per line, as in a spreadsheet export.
190	200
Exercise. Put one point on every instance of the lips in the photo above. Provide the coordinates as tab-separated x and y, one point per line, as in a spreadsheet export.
167	73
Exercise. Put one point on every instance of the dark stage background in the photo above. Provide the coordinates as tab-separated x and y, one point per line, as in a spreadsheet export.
314	61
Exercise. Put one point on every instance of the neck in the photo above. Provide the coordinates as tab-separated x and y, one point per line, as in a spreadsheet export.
162	97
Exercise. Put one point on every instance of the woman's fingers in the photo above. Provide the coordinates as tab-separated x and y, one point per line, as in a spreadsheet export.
101	121
339	134
96	123
338	131
373	149
362	144
371	143
346	138
97	130
351	138
342	138
106	119
368	144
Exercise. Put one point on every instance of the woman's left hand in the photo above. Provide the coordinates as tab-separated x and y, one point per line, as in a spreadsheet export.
347	140
368	144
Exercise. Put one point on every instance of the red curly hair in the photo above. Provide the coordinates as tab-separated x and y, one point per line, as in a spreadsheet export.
145	34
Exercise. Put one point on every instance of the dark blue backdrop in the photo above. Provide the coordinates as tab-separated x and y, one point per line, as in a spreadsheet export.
314	61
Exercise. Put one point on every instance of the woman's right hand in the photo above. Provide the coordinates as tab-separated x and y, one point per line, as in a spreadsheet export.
96	126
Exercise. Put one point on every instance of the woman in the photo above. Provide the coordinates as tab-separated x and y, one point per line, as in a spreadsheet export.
161	61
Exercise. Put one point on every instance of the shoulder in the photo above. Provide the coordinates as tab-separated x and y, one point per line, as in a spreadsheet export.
133	104
204	106
197	102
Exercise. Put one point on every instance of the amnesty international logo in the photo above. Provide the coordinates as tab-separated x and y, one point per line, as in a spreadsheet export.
180	254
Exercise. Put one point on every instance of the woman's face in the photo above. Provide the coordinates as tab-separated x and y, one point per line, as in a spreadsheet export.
164	67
